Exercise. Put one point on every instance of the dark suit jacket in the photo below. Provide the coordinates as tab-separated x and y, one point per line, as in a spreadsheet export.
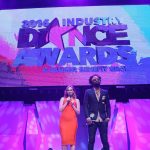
91	104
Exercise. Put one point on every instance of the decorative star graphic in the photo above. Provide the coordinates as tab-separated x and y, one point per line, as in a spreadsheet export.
55	33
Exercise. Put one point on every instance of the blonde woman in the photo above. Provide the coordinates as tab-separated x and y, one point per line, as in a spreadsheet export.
69	106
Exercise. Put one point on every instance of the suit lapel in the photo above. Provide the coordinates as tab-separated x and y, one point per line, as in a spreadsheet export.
101	94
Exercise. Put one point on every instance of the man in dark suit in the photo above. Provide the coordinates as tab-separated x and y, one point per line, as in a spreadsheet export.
97	111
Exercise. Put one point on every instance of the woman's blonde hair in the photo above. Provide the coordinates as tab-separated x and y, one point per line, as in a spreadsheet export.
74	92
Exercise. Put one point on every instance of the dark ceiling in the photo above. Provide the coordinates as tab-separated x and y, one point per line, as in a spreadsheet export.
17	4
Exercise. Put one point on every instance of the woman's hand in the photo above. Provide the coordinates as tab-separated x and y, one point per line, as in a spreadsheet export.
68	100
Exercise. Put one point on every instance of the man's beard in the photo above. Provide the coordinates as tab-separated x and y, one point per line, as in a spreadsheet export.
96	85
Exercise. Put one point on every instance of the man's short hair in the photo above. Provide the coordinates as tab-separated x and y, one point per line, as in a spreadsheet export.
90	79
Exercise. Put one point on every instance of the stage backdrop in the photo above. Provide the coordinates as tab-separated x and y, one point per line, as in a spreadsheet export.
65	45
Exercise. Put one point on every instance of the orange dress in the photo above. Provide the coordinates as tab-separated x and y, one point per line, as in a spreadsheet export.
68	124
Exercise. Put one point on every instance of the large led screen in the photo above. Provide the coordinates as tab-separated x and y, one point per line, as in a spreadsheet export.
65	45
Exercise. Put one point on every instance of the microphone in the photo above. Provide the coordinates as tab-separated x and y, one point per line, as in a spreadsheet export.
70	96
69	99
103	99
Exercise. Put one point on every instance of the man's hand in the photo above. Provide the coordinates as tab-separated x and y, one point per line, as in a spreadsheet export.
88	120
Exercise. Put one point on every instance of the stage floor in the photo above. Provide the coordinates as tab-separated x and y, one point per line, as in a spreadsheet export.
36	126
